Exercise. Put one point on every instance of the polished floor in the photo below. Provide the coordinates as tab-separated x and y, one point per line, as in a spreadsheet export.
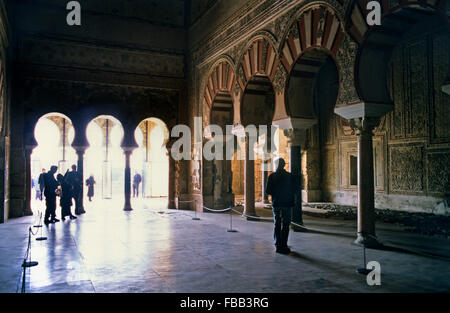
154	249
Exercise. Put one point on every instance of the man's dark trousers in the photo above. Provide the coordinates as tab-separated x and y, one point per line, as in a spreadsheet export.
282	220
50	211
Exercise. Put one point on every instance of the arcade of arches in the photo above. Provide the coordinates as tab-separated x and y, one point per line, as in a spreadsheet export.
361	112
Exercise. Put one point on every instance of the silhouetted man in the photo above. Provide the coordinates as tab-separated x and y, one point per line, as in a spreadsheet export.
281	185
74	178
41	183
136	181
50	195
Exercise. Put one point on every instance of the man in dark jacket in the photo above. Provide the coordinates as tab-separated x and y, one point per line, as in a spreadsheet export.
50	195
281	185
41	183
136	181
74	178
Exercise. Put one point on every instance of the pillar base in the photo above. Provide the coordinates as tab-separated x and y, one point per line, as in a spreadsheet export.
368	241
128	208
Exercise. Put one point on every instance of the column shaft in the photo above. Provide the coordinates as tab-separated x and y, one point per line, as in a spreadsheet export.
249	177
366	196
79	206
27	209
366	189
295	169
127	206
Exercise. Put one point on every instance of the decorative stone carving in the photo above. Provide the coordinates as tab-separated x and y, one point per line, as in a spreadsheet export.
346	57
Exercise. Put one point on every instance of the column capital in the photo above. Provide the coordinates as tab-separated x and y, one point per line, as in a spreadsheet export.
364	125
295	136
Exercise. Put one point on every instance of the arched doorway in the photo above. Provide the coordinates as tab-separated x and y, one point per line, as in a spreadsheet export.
54	134
312	94
104	159
150	160
257	109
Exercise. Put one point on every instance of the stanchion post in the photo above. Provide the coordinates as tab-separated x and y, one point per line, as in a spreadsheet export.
363	270
25	262
195	218
231	230
42	237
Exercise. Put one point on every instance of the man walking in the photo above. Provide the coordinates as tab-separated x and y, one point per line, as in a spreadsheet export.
136	182
50	195
282	185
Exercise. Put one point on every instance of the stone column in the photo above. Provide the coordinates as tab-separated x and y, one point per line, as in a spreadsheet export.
127	183
249	177
363	128
79	207
296	138
27	209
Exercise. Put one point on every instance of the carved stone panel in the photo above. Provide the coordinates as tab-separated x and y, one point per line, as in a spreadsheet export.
439	172
406	168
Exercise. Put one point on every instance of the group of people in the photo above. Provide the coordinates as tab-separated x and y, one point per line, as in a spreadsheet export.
67	187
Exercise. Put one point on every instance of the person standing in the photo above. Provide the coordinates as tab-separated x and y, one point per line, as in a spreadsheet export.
136	181
65	200
90	182
75	180
51	185
41	183
282	185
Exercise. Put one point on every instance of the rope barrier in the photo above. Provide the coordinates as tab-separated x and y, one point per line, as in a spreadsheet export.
218	211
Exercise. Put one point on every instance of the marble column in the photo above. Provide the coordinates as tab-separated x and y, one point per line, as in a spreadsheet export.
249	177
127	183
79	207
27	209
363	128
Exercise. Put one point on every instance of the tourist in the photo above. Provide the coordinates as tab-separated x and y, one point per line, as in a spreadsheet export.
282	185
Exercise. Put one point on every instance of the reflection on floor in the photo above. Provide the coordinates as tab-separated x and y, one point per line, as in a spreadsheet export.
154	249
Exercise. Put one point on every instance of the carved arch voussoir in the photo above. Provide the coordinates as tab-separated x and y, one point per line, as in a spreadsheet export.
259	56
221	78
317	25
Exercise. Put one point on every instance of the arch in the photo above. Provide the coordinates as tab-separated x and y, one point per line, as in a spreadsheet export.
259	58
30	139
376	43
159	123
317	27
221	79
317	30
151	159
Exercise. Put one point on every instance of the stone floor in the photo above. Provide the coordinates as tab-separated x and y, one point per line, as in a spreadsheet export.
153	249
